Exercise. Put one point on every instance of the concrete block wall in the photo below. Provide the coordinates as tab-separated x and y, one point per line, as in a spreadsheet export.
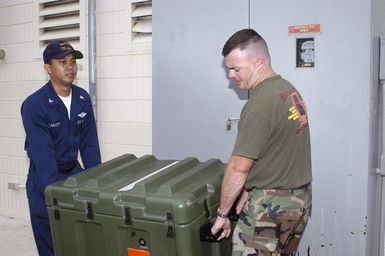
123	90
124	83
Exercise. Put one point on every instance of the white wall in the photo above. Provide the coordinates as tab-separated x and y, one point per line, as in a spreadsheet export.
20	75
124	84
123	90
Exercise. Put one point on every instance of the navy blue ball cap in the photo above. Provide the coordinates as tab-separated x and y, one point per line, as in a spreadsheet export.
58	50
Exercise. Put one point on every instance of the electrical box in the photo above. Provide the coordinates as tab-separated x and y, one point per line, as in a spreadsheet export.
382	58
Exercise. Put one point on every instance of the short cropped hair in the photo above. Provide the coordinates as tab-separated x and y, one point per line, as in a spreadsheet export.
243	39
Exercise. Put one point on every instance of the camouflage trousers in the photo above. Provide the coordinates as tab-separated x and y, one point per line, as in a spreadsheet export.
272	222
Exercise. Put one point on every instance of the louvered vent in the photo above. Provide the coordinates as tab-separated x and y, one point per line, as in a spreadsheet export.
59	20
141	21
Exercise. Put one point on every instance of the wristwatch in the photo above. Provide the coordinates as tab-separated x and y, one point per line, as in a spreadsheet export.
224	216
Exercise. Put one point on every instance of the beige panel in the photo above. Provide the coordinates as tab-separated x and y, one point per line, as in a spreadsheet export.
17	90
11	128
137	134
125	88
110	151
21	52
12	147
125	66
22	71
124	111
17	14
13	165
109	6
110	23
18	33
11	3
110	44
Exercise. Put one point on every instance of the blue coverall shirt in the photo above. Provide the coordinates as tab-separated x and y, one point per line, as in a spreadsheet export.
53	142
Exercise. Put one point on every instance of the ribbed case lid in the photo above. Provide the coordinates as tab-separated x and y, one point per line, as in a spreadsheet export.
148	188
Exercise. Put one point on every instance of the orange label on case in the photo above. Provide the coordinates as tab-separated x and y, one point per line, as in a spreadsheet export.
304	28
136	252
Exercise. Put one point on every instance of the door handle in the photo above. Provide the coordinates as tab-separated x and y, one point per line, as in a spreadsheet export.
229	121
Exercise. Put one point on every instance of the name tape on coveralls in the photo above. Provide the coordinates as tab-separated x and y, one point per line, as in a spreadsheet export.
131	186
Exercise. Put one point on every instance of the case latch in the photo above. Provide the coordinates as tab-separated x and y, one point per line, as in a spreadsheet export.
90	211
170	225
56	211
128	219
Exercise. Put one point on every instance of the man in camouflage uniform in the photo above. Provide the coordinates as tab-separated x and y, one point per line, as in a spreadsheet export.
269	171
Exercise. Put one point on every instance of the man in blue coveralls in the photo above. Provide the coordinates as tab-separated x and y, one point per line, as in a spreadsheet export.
59	122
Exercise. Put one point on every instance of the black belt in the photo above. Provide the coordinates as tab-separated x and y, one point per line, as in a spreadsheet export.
306	187
66	168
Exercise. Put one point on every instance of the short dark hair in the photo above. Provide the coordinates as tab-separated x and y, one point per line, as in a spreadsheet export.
241	39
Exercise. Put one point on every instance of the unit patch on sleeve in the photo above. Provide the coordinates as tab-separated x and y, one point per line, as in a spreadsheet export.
297	111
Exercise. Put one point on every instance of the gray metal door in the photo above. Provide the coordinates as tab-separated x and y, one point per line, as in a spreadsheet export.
332	89
192	96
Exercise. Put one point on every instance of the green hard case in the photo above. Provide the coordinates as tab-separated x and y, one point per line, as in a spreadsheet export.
154	206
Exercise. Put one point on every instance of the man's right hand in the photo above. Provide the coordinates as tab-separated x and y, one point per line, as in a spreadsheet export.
221	223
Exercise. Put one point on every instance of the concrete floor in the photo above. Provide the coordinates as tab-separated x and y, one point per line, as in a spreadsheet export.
16	237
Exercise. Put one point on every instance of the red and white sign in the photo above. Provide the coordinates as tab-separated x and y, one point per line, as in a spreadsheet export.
306	28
